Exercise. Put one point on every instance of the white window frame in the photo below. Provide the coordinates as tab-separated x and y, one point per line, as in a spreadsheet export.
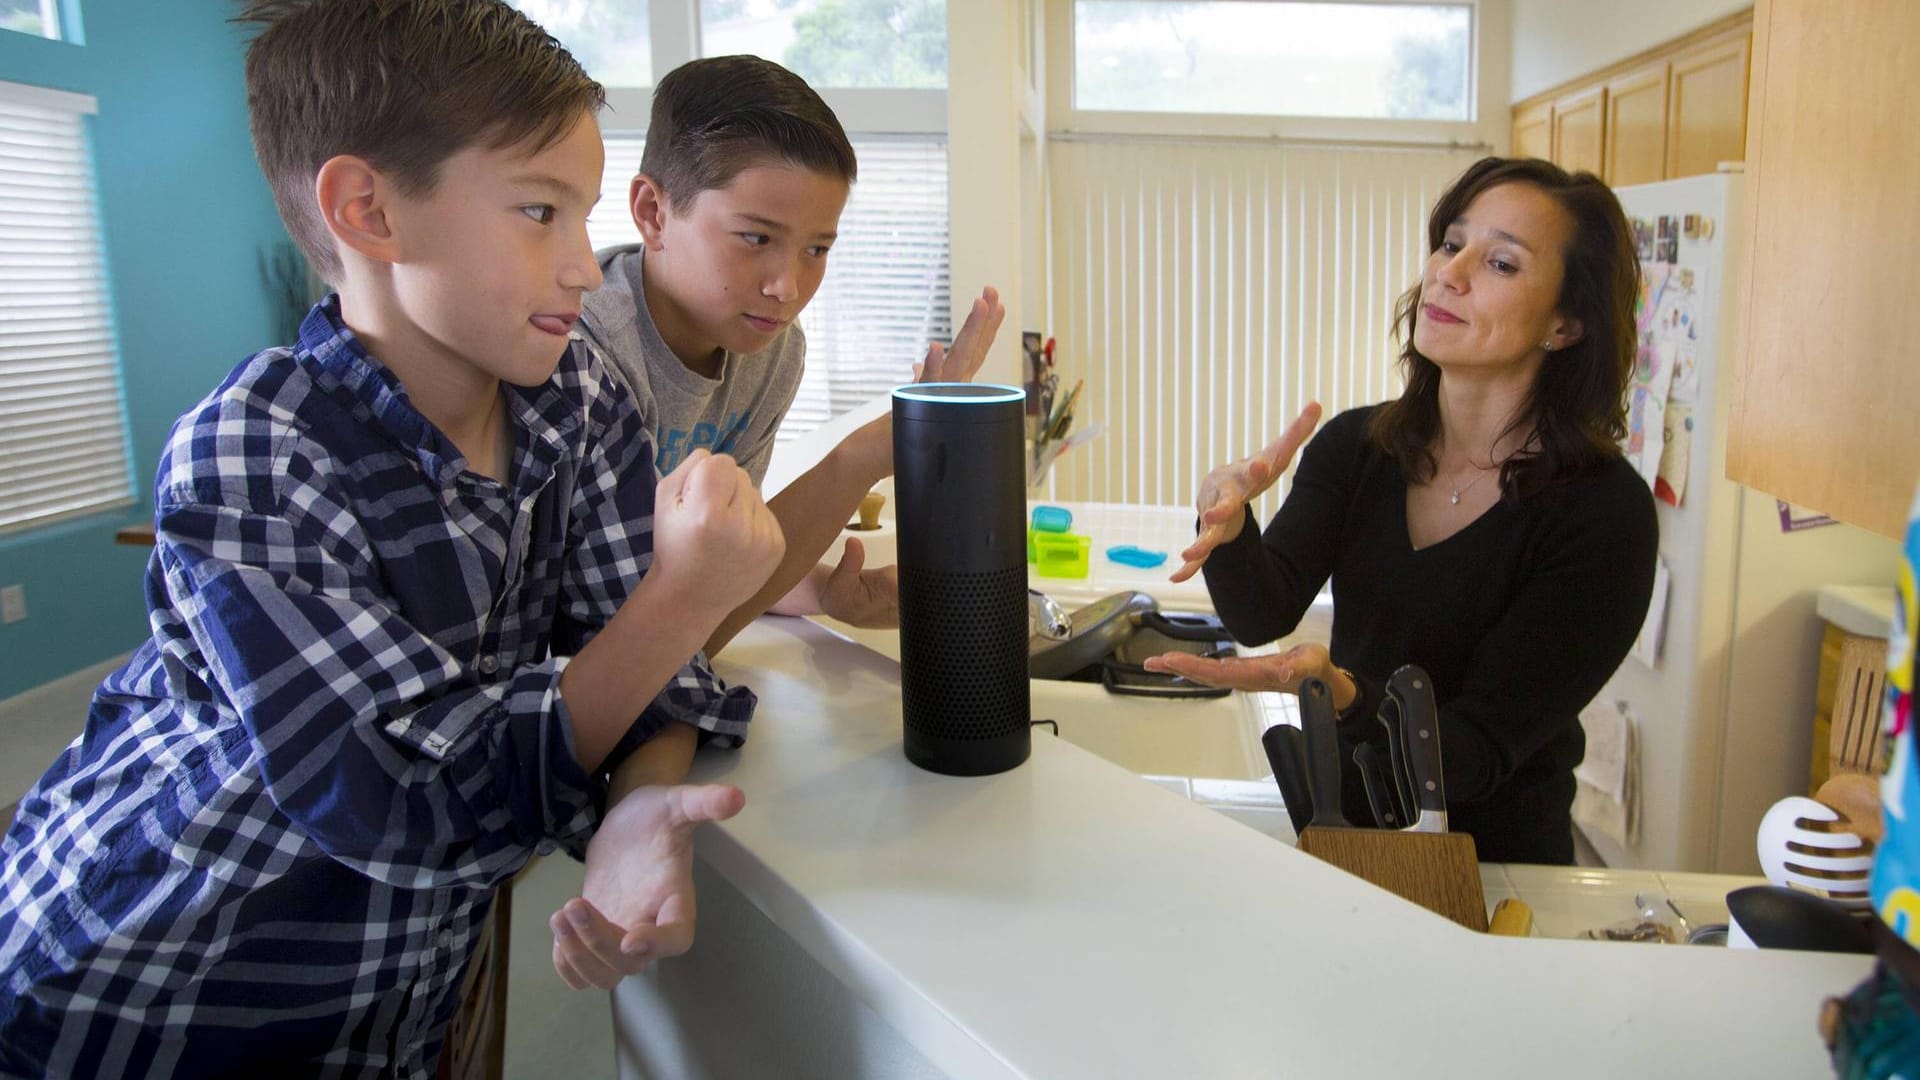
78	379
1487	95
674	34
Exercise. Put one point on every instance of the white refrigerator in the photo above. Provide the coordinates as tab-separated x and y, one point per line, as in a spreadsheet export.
1724	714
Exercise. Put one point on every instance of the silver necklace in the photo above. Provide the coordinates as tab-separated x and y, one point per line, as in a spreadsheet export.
1459	491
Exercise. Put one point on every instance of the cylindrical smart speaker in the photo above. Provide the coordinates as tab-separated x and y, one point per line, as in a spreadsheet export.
959	492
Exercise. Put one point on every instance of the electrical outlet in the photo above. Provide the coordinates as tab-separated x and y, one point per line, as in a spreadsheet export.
13	603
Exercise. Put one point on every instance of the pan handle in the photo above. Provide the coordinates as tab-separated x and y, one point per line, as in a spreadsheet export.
1180	628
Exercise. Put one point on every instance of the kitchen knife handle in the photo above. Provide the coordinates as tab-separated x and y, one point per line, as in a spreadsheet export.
1413	691
1366	758
1286	753
1389	718
1317	719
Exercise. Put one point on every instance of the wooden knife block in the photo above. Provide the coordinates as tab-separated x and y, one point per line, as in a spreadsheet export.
1438	871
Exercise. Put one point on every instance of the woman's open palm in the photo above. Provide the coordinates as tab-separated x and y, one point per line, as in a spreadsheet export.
1228	489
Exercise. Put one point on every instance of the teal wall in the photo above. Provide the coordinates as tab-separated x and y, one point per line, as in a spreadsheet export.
186	213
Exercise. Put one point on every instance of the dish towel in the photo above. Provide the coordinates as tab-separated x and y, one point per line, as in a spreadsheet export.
1606	797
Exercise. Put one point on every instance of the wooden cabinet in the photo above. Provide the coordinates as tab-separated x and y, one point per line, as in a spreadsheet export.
1824	404
1533	131
1677	110
1579	130
1708	114
1636	150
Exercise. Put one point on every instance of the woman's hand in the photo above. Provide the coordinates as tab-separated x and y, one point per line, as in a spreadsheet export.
1282	672
1227	490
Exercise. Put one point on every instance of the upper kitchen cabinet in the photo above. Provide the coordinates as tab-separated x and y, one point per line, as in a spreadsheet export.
1636	146
1823	410
1533	131
1580	129
1707	117
1676	110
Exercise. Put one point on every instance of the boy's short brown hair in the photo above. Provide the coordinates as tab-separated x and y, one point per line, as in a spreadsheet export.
404	84
715	117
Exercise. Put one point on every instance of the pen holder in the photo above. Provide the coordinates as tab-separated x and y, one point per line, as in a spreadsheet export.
1059	555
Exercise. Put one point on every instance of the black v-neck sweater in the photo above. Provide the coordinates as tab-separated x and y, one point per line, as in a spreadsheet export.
1520	618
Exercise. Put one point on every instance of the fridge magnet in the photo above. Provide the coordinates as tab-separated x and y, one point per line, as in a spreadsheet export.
1794	518
1690	226
1642	239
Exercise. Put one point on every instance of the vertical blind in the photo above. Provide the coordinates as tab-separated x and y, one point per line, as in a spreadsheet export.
1207	291
886	292
63	439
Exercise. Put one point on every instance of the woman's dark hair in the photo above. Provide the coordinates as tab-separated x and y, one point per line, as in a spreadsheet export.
1577	411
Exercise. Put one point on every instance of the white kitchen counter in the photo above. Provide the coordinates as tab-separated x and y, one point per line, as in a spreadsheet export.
1070	919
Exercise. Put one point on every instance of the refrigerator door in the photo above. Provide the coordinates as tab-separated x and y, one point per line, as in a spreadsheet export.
1724	710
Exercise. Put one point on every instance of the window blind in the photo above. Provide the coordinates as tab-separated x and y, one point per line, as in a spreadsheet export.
886	292
1207	290
63	435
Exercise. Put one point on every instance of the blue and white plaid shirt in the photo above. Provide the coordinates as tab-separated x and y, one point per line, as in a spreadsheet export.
278	837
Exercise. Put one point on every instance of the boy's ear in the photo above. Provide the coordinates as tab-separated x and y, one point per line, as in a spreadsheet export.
648	203
355	201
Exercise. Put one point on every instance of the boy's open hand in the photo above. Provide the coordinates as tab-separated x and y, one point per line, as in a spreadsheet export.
713	538
865	598
1227	490
969	351
638	902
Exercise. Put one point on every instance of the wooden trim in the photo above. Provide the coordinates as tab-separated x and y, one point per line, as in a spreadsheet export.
1737	456
1738	22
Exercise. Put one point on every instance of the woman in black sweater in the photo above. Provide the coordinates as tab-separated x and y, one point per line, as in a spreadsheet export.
1483	526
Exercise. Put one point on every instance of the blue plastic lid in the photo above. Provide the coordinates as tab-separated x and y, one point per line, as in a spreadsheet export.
1052	518
1128	555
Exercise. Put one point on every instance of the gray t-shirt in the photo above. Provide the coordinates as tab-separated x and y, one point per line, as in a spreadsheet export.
736	413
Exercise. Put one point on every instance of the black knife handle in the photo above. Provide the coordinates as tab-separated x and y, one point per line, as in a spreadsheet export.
1413	691
1389	718
1366	758
1287	754
1317	719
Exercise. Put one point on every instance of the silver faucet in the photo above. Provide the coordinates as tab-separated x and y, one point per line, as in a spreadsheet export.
1045	618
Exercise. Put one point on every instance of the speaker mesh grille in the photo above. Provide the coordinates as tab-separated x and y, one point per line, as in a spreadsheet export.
963	653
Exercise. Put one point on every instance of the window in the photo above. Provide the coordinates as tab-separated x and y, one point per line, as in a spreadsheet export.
63	440
613	39
836	43
40	18
1284	58
882	66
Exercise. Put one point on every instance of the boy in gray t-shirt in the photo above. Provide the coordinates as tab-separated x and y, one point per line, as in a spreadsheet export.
738	199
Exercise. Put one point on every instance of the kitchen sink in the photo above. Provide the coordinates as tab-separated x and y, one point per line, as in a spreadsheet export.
1213	738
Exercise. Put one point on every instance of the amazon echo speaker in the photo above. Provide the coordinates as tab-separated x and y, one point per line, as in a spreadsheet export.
959	489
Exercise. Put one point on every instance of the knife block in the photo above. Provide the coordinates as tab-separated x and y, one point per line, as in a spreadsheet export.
1438	871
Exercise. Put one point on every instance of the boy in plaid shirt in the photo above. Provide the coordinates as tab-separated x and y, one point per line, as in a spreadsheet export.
415	602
